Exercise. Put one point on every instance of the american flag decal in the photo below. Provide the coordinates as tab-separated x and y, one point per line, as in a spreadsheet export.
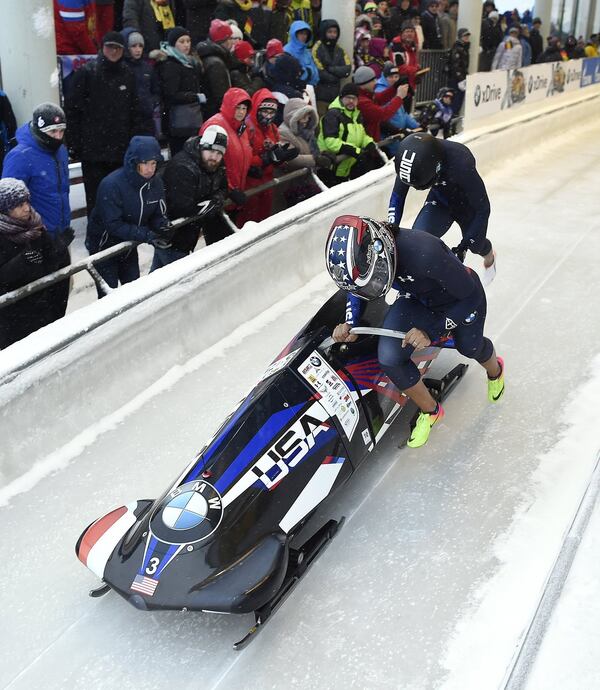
145	585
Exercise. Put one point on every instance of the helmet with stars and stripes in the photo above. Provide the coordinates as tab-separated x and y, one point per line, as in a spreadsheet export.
361	256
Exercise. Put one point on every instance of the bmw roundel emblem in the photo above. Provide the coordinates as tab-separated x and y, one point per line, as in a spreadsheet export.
189	513
315	361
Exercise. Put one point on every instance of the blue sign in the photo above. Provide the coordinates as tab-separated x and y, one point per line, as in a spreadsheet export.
591	71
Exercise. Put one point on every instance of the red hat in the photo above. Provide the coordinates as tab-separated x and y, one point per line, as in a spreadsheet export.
243	50
274	47
219	31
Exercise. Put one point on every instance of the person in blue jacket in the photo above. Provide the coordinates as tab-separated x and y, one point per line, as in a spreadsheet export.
438	295
400	120
130	205
298	46
456	193
41	161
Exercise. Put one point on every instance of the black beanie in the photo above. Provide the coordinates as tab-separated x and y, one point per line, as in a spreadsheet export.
114	38
349	90
176	33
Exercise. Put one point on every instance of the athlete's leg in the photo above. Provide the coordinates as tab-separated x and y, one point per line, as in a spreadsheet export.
395	359
433	218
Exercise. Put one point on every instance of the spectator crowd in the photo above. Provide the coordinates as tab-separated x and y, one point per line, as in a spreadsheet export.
240	92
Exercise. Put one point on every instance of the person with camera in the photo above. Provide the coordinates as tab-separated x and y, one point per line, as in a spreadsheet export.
130	206
195	187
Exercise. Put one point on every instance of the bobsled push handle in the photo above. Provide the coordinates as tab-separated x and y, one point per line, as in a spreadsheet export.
365	330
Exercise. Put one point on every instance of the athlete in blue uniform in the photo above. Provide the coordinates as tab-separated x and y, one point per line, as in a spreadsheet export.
457	192
438	294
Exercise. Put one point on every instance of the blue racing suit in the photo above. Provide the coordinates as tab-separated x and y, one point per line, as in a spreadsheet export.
458	194
438	294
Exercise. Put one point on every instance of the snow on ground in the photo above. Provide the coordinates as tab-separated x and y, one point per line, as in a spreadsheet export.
446	550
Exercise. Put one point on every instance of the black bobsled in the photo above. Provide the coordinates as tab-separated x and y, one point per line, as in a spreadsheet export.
219	538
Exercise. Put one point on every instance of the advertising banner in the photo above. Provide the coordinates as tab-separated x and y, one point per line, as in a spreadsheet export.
485	91
591	71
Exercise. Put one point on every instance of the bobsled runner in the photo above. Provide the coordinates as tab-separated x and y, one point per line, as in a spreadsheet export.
221	538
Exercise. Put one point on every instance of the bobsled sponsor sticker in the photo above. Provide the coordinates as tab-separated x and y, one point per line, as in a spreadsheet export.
334	394
279	364
366	436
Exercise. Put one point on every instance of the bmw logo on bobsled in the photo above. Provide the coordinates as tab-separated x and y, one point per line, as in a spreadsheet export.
224	536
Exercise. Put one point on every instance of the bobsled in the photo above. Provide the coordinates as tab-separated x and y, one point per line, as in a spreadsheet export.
223	537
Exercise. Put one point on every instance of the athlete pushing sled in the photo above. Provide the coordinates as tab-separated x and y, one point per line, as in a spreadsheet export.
438	295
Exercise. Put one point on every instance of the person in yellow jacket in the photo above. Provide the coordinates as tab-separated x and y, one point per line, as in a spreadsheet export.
342	133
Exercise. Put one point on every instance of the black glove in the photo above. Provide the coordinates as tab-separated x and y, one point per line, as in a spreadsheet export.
33	256
324	161
255	171
67	236
280	153
461	253
238	197
347	150
162	237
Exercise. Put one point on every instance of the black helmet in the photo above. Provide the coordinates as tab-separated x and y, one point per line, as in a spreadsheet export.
419	160
361	256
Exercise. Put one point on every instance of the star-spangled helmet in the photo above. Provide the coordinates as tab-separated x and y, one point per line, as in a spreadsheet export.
419	160
361	256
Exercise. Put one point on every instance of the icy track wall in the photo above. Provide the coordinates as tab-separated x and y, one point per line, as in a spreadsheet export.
60	380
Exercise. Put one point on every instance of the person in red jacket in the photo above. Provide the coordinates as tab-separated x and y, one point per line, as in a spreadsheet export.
74	26
266	153
369	103
405	52
238	156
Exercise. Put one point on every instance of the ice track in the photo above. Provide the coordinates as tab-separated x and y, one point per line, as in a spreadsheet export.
446	550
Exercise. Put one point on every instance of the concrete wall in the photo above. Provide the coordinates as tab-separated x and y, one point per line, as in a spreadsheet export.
72	373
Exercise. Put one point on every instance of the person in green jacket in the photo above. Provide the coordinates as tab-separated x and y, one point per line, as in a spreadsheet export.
342	133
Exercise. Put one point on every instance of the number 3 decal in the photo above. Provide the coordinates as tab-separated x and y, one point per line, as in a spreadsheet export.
152	566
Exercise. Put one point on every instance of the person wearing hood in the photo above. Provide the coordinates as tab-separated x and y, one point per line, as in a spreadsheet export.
130	207
146	79
215	53
439	114
181	76
332	62
376	108
195	175
509	54
267	153
298	47
40	160
299	129
103	112
378	55
342	133
152	18
27	252
238	156
283	76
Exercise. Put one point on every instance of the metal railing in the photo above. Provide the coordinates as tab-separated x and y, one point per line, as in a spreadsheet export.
88	263
434	80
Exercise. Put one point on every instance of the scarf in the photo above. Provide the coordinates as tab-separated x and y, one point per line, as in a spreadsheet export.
308	134
171	51
21	231
163	15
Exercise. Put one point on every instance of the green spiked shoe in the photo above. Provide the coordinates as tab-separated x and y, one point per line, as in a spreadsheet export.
422	428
